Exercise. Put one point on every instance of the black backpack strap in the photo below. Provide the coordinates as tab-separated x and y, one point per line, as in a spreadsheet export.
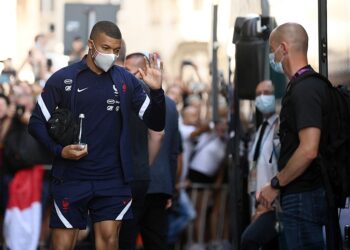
309	75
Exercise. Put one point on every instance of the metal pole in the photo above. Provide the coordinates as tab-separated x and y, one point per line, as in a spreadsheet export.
236	175
232	159
322	37
333	235
91	20
265	8
214	66
229	72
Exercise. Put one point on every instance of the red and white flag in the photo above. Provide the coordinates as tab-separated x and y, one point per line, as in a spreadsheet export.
22	221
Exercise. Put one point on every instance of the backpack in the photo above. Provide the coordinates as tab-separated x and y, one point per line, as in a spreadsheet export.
334	153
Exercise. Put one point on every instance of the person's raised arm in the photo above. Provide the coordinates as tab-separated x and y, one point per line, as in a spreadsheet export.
151	109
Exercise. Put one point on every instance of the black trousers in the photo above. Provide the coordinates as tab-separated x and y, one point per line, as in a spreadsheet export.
154	222
261	233
130	228
149	218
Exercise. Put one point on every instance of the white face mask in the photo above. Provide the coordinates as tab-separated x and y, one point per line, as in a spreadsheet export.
102	60
265	103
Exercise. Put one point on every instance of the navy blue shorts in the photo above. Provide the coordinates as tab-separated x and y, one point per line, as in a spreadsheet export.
100	199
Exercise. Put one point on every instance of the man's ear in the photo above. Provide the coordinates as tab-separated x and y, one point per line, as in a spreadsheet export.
285	48
90	44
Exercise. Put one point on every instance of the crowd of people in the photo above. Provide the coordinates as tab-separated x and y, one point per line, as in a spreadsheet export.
124	167
167	141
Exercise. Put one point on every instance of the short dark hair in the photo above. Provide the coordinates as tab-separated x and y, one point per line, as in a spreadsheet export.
107	27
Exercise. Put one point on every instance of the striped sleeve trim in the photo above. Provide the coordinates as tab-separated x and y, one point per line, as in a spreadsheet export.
43	108
144	107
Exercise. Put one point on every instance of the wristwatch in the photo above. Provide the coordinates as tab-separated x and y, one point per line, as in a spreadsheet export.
275	183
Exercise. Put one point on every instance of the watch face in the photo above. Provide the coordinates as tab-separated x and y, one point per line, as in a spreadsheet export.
275	183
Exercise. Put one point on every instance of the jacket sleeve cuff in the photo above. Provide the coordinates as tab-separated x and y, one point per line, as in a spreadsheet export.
58	150
156	94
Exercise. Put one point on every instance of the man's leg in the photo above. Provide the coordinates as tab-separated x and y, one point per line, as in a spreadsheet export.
130	228
69	212
63	239
180	215
303	217
259	232
107	234
110	205
154	222
128	234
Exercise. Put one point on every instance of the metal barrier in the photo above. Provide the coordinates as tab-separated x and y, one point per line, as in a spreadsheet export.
209	200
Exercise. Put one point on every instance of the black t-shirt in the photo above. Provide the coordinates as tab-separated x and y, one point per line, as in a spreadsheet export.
303	106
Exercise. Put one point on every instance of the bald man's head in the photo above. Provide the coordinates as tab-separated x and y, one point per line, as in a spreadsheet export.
135	61
293	34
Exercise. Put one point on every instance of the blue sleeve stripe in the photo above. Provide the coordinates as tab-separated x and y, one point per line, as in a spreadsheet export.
144	107
43	108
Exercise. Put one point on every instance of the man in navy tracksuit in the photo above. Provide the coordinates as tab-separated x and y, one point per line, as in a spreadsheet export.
93	180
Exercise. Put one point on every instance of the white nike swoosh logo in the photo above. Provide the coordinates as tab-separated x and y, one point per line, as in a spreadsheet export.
81	90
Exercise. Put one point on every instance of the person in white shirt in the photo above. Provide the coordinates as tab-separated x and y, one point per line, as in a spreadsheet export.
208	153
189	125
263	166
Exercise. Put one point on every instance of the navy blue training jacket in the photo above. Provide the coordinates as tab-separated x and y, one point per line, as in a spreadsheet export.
60	91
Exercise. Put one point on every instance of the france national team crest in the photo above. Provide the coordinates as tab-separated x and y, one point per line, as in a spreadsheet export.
65	204
124	87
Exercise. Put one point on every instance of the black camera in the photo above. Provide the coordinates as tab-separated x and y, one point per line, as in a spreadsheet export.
186	62
20	109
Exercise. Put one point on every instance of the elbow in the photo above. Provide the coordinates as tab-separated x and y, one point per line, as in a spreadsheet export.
155	135
311	154
158	129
